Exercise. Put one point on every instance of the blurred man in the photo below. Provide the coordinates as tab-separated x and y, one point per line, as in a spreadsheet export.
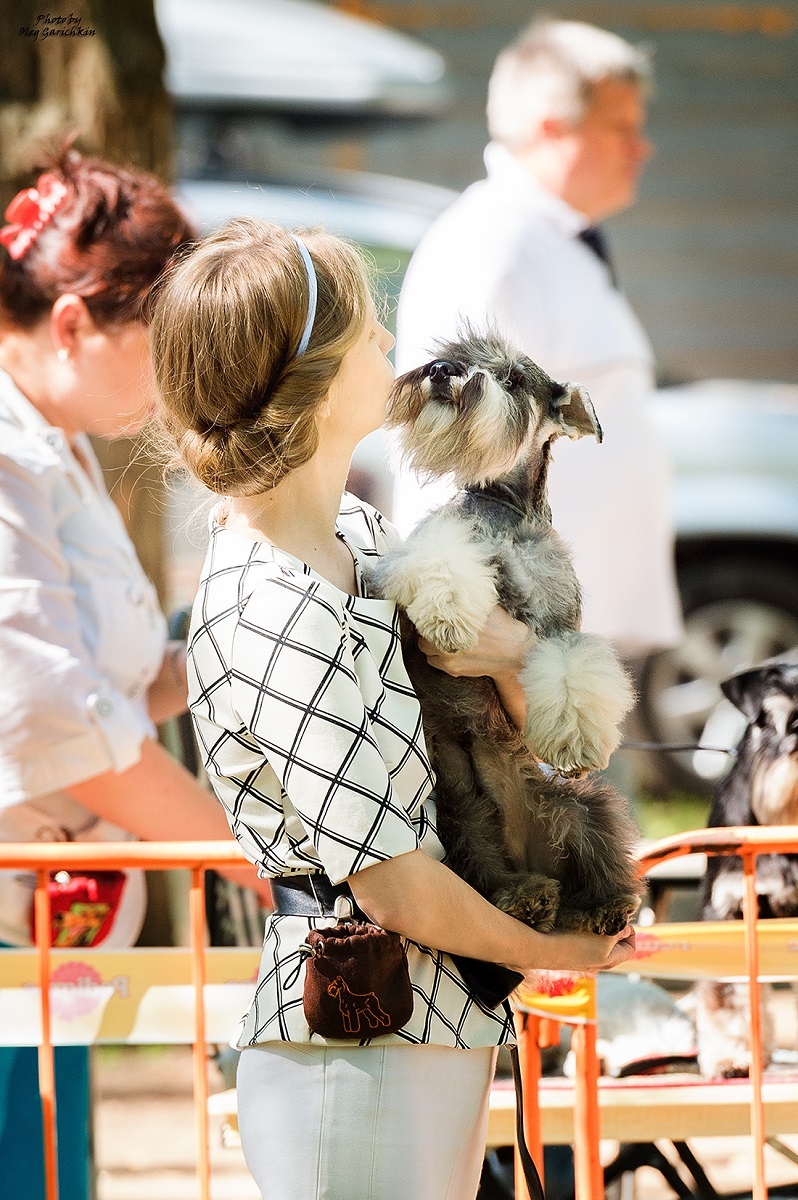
520	249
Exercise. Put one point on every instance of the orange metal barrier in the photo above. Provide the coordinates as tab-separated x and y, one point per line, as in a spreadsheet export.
537	1013
75	856
699	950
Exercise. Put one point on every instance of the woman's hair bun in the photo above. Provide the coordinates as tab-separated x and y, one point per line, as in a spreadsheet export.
237	402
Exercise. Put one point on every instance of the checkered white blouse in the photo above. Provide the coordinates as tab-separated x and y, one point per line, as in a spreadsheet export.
311	736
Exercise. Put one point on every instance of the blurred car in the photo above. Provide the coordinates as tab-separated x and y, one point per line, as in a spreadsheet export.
294	57
734	447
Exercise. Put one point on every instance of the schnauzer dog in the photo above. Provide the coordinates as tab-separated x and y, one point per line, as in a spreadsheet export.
554	852
761	789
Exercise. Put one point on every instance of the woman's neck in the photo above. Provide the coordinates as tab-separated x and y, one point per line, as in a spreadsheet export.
298	516
25	357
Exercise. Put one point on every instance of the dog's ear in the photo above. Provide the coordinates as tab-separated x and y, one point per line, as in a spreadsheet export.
574	413
747	690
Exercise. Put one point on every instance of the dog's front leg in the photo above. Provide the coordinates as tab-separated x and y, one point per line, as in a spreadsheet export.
444	578
577	695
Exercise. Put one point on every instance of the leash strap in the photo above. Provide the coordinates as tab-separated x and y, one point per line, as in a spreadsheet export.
534	1186
677	747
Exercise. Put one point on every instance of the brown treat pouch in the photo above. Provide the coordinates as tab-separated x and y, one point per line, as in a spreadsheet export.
357	983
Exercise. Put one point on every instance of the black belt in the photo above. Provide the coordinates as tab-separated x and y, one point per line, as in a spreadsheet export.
311	895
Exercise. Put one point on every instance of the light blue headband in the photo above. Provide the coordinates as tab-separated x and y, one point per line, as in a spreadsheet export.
313	292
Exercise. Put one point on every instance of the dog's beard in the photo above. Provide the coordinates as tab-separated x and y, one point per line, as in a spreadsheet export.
476	437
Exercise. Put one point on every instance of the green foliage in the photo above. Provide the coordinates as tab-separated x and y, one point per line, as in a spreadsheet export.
666	813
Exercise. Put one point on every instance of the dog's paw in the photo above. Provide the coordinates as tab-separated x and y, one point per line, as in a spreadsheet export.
733	1064
448	628
450	611
612	918
577	694
444	577
533	899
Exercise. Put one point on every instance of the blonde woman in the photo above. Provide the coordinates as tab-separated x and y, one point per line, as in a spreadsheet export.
271	365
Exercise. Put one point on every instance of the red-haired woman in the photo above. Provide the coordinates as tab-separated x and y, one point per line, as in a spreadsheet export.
86	667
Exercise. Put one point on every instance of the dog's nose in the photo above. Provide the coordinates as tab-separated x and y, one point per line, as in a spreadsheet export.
440	371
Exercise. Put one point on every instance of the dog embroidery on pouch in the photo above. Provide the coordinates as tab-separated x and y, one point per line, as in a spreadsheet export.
354	1005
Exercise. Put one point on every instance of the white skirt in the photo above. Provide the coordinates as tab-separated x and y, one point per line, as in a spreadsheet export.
364	1122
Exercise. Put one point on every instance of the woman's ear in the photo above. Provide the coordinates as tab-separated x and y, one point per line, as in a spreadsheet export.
70	320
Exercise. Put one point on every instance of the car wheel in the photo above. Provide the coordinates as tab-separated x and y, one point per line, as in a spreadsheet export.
738	611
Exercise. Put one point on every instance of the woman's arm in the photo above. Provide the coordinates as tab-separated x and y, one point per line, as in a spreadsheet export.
422	899
503	646
159	800
167	694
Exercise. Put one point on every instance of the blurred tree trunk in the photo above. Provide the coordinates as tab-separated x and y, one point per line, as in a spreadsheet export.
108	86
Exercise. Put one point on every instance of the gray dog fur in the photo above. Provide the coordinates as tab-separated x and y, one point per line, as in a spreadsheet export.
554	852
761	789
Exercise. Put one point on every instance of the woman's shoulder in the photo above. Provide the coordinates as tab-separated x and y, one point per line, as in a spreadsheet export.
241	574
34	450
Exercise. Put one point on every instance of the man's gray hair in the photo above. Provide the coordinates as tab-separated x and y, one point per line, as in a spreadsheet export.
551	70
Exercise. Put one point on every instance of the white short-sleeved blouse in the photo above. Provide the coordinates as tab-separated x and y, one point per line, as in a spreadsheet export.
312	739
81	639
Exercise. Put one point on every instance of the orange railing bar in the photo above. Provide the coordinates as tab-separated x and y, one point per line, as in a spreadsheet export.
588	1171
759	839
756	1069
194	856
150	856
535	1030
196	912
748	843
41	927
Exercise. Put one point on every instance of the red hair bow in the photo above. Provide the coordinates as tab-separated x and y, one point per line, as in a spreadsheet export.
29	212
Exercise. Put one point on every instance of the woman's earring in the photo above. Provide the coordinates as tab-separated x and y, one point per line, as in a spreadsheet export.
63	355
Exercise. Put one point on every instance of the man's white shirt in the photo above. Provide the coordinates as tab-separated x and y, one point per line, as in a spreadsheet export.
507	253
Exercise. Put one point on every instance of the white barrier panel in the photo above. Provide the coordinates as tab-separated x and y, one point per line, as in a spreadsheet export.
139	996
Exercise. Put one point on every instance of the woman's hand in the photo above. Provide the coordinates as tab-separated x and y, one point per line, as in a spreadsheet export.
582	953
500	653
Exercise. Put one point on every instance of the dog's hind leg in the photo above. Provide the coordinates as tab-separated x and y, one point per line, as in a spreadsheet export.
591	829
471	827
577	695
533	899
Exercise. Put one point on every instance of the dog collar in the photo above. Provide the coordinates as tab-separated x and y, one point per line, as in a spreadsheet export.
495	500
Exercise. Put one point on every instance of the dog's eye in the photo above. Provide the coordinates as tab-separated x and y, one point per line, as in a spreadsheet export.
515	379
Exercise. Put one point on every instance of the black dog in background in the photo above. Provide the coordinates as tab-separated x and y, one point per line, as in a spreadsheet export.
761	789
